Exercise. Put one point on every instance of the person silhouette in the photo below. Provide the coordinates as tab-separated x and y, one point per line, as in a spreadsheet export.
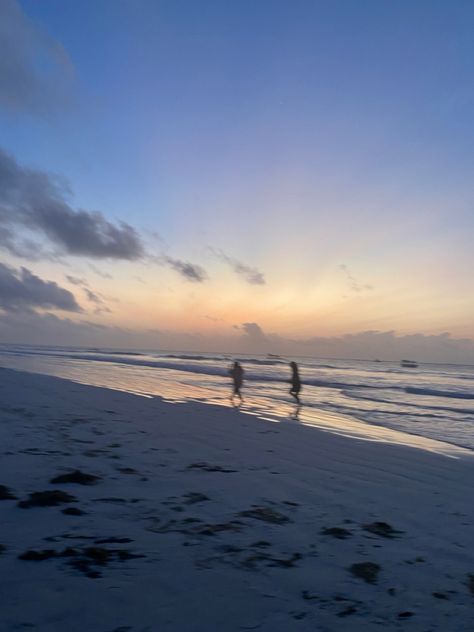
295	382
237	375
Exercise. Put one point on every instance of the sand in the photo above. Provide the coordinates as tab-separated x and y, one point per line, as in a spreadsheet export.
126	513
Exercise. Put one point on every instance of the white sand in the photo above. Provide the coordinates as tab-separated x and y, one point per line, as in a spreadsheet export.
246	573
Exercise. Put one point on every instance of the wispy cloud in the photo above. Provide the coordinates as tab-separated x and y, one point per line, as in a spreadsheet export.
213	319
99	302
99	272
93	297
76	280
249	274
190	271
353	283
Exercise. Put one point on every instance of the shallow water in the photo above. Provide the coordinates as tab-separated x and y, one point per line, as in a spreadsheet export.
433	401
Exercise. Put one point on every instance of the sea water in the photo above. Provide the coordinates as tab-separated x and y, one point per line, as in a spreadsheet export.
435	401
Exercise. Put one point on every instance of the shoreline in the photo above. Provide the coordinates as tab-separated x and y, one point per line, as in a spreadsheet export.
272	520
319	418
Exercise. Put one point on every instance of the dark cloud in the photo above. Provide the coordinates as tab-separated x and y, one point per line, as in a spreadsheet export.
21	247
36	201
249	274
34	68
354	285
33	199
85	233
23	290
189	271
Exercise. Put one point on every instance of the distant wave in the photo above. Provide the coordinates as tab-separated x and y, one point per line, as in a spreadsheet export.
261	361
121	353
192	357
331	366
203	364
223	358
435	393
373	398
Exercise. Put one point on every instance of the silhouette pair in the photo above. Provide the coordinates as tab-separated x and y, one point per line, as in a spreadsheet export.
236	372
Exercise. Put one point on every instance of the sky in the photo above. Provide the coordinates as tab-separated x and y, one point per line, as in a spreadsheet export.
267	176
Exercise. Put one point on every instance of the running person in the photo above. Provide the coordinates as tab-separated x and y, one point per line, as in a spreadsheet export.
237	375
295	382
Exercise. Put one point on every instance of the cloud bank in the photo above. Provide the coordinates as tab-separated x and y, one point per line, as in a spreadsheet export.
47	328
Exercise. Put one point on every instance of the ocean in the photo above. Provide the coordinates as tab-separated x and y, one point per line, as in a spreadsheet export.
435	401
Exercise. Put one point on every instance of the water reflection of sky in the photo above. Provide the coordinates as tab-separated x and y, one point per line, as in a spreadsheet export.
265	400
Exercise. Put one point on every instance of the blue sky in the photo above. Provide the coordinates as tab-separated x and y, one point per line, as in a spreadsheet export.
294	137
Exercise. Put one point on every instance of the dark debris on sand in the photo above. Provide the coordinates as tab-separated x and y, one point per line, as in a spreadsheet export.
337	532
470	583
49	498
6	494
253	560
214	529
73	511
206	467
383	529
405	615
76	476
260	544
266	514
347	611
37	556
99	556
127	470
367	571
194	527
113	540
82	559
191	498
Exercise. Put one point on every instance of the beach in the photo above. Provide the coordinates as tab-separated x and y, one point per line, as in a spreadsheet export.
196	517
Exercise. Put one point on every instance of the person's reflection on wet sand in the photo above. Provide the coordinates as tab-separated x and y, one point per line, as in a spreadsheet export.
295	413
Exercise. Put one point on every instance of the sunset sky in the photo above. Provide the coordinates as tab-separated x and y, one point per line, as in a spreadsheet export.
213	174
